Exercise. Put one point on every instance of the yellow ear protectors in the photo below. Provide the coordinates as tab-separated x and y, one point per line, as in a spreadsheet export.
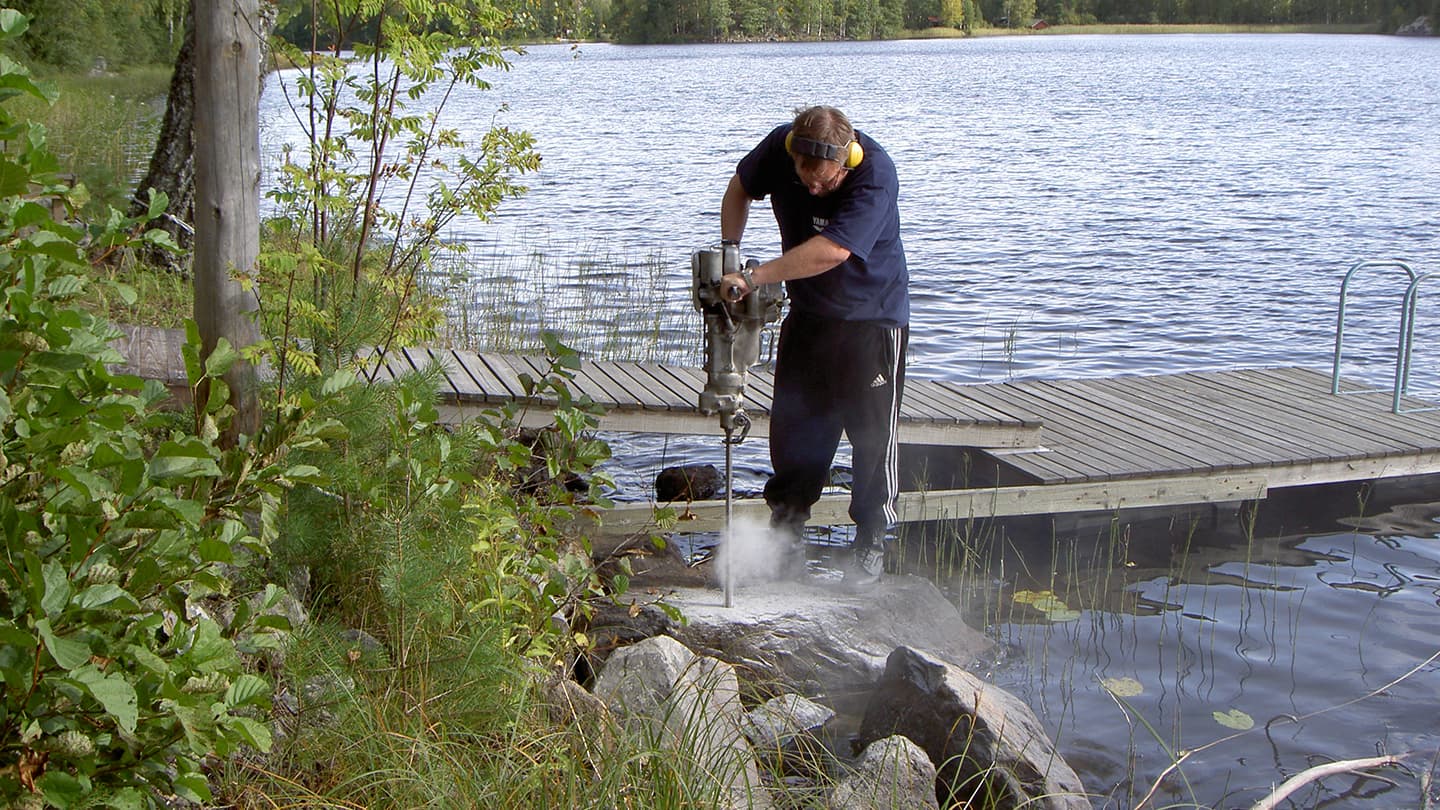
852	152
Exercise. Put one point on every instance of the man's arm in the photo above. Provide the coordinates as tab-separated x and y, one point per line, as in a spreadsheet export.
734	210
811	258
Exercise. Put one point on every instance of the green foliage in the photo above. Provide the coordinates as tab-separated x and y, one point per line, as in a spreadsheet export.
121	632
101	130
86	34
1020	13
357	191
424	532
952	13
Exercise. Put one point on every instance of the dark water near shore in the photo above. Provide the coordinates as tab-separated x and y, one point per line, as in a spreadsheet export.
1072	206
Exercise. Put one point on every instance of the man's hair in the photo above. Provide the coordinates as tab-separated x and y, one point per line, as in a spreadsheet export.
823	124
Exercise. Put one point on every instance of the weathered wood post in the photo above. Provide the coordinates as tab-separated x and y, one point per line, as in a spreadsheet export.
227	187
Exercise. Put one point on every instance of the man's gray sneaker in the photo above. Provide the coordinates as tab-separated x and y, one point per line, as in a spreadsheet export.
867	566
793	559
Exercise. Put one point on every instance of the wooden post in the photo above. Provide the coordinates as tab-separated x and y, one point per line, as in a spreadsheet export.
227	187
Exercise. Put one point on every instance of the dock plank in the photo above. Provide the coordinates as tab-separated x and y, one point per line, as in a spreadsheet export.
962	407
465	387
1062	438
666	387
504	370
590	382
479	374
1368	413
925	402
759	389
1183	435
1324	440
1006	413
1133	447
1043	465
644	394
1290	427
1255	433
691	378
1176	396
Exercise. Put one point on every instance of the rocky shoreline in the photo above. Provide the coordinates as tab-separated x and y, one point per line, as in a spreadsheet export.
751	693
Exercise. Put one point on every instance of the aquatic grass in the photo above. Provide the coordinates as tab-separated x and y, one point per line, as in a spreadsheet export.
1273	604
607	306
102	128
1075	597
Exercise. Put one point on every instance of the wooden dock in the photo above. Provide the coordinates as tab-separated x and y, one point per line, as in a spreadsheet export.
658	398
1150	441
1026	448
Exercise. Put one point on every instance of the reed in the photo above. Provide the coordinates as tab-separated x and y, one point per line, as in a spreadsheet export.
102	128
607	306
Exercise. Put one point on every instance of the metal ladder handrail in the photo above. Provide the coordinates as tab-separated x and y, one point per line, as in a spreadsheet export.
1407	342
1340	324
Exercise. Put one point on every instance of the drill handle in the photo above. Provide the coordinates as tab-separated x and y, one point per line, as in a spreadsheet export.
733	293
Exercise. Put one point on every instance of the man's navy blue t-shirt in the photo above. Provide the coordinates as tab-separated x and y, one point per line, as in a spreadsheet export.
861	216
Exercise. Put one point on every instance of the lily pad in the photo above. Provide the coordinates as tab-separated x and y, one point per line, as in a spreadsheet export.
1123	687
1236	719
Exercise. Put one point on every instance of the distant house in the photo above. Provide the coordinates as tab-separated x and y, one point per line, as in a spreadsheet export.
1039	25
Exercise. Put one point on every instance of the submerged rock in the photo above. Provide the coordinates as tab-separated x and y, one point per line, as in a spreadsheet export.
690	482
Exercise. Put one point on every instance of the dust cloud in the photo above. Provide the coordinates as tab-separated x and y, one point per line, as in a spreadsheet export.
750	552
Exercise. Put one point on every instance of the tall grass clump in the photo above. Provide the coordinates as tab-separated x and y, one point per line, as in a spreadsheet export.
606	306
101	130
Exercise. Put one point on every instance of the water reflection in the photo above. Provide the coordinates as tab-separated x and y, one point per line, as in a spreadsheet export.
1320	634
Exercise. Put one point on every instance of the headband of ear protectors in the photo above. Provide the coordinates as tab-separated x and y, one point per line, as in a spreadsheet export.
808	147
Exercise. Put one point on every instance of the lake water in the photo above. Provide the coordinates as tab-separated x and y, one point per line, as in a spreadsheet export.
1071	206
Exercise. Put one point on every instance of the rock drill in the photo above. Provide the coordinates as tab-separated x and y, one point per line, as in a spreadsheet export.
732	345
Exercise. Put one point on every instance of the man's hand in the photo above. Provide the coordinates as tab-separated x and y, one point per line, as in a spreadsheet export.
733	287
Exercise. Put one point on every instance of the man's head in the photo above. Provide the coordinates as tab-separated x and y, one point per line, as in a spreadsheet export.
822	144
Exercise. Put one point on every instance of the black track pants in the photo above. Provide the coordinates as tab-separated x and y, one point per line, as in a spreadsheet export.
833	377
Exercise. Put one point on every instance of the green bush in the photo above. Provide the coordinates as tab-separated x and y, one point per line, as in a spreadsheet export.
121	634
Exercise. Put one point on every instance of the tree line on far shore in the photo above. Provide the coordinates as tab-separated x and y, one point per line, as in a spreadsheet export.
109	34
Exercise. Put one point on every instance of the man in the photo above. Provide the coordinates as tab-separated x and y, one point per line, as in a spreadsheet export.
841	360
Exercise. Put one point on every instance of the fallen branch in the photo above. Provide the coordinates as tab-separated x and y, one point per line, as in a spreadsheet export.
1308	775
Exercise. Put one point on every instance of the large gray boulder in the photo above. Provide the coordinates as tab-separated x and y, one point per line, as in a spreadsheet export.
891	773
786	734
985	741
691	705
704	718
1419	28
820	638
637	680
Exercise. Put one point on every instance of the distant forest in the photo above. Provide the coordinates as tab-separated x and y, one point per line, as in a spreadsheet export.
83	34
717	20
